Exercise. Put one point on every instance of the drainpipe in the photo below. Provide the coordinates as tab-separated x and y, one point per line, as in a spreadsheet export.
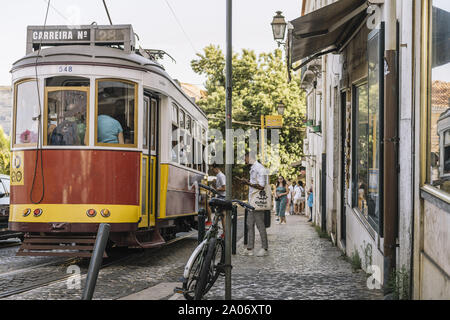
323	186
391	141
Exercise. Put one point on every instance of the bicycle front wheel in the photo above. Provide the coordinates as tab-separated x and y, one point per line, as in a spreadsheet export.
211	267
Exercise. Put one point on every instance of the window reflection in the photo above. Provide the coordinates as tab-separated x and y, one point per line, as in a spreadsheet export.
27	109
440	96
66	118
362	148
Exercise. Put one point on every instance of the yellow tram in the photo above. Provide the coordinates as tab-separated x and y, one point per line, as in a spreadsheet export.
101	134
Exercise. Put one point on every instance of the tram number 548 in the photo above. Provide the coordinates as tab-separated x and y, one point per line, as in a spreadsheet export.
64	69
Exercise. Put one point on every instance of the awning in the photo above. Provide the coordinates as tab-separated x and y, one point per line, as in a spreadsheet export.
325	30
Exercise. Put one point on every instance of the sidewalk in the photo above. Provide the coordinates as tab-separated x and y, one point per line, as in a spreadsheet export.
300	266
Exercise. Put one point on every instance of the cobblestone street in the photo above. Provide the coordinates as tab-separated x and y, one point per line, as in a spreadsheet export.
300	266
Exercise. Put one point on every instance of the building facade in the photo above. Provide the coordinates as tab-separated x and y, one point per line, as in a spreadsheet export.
377	149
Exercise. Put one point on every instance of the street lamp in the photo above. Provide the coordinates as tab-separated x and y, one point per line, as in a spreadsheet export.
279	28
281	108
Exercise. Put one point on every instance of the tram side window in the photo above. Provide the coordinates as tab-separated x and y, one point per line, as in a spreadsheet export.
189	142
26	112
175	133
116	112
66	117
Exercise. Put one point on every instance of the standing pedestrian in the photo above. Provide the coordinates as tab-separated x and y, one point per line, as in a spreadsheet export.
281	199
274	196
221	180
291	197
258	180
302	198
297	198
310	203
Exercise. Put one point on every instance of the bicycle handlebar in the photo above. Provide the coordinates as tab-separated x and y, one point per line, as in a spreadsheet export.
223	202
208	188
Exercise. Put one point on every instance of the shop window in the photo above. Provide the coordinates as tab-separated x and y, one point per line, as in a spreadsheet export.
26	109
116	113
439	110
361	149
66	116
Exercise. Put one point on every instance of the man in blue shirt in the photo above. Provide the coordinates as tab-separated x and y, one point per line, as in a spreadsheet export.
109	130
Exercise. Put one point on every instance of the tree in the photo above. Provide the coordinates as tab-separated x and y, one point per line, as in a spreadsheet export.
259	84
5	155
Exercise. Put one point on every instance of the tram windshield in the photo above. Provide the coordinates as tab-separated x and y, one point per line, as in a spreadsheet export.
66	116
116	112
26	113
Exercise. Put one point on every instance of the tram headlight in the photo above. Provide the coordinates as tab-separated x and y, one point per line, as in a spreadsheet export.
105	213
37	212
26	212
91	213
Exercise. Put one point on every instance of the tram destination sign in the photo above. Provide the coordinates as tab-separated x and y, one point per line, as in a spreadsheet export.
61	35
73	35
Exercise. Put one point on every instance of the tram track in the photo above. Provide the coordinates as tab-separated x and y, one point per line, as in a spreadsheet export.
15	279
9	245
19	275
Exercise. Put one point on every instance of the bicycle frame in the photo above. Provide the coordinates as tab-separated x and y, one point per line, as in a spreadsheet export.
212	232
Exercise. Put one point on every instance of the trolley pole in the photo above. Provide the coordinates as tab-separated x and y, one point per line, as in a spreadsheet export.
229	149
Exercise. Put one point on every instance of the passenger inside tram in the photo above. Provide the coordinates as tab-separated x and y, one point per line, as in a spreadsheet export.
67	125
116	113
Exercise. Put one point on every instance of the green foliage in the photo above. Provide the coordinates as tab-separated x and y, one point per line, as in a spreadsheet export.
355	260
259	84
399	284
5	155
322	234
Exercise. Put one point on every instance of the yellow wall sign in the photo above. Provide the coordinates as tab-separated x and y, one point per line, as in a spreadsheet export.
274	121
17	168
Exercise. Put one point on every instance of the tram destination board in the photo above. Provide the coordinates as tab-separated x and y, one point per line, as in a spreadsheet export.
73	35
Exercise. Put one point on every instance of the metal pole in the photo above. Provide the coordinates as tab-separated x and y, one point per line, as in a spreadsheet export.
107	12
201	225
234	244
96	261
229	148
263	140
245	227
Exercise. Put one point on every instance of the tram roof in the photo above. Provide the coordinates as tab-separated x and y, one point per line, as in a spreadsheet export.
96	56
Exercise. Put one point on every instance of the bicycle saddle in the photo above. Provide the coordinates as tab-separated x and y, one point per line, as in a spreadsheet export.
221	203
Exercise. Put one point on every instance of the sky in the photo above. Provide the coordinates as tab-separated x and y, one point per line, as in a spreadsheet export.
180	27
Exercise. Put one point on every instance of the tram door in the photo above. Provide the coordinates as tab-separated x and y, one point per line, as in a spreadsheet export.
149	162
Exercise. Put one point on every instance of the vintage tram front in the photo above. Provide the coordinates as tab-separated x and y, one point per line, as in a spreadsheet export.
100	135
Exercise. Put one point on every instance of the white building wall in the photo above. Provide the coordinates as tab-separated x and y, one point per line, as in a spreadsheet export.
406	176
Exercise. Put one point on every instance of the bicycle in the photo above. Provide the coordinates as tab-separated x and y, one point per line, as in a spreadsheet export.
207	261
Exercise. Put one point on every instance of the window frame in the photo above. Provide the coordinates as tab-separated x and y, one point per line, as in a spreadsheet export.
426	45
45	121
14	136
136	110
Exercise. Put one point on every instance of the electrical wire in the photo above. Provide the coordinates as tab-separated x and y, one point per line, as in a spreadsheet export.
181	27
57	11
39	118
